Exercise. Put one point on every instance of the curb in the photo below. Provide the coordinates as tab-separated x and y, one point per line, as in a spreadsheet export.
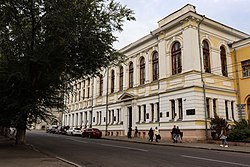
172	145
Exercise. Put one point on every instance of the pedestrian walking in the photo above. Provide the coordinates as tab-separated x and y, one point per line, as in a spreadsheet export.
178	135
223	137
174	134
136	132
157	134
151	135
129	132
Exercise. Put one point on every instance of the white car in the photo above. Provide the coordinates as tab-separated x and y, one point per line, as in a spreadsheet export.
74	131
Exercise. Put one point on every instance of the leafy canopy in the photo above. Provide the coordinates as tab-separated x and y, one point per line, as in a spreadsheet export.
45	44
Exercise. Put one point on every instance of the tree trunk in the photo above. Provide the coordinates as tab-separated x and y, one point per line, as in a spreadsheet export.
21	136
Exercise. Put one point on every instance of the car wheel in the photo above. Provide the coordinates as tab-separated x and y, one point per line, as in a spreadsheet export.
71	133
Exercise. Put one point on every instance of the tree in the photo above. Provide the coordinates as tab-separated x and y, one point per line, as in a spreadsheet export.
45	45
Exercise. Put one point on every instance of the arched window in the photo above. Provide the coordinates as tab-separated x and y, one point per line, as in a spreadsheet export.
142	70
112	81
131	72
155	66
206	56
121	79
101	85
223	58
176	58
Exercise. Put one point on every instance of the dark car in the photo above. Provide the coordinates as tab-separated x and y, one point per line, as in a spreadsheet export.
62	130
92	133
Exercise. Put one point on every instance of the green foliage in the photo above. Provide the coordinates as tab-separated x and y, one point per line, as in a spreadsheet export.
240	131
217	123
44	45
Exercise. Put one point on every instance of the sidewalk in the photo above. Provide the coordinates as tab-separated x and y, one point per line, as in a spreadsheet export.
24	155
233	147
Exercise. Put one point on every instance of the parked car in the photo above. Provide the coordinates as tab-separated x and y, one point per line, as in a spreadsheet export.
92	133
63	130
52	129
74	131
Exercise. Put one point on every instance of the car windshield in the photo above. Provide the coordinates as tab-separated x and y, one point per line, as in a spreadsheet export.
77	128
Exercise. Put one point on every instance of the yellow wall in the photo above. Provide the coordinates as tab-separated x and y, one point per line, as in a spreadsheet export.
242	53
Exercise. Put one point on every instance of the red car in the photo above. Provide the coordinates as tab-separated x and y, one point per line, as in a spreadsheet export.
92	133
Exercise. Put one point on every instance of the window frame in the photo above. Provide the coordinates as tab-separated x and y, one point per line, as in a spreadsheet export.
206	56
176	58
112	87
142	70
101	85
121	79
131	73
223	58
245	65
155	66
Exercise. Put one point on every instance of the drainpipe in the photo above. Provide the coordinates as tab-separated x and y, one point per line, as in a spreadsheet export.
158	108
202	79
106	129
237	84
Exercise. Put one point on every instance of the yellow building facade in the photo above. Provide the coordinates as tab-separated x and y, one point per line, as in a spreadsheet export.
241	70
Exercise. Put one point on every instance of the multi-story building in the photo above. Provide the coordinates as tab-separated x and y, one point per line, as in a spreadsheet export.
241	67
179	74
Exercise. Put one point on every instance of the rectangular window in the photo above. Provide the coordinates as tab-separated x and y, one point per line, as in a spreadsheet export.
180	109
232	109
208	107
97	118
79	93
245	68
101	86
226	109
118	115
144	113
83	90
100	118
158	112
113	116
173	108
215	106
139	113
152	112
109	117
88	88
75	91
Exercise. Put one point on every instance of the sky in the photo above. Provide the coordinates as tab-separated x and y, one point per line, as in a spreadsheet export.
233	13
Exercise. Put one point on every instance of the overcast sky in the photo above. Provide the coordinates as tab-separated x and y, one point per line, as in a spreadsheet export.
233	13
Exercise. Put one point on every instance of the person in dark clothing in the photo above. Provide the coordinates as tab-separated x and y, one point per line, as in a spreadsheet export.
174	134
129	132
136	132
151	135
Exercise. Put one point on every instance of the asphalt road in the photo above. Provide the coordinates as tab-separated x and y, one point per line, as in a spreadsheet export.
109	153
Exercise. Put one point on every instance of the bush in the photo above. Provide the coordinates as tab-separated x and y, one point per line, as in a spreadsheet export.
240	131
216	125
